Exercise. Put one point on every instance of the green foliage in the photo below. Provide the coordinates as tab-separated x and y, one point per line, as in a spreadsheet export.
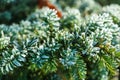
45	47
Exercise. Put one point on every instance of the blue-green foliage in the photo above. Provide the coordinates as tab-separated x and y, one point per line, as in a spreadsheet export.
45	47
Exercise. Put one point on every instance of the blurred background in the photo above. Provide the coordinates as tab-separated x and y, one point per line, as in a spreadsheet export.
13	11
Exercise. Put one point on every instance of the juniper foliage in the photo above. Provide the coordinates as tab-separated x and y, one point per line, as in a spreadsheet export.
45	47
